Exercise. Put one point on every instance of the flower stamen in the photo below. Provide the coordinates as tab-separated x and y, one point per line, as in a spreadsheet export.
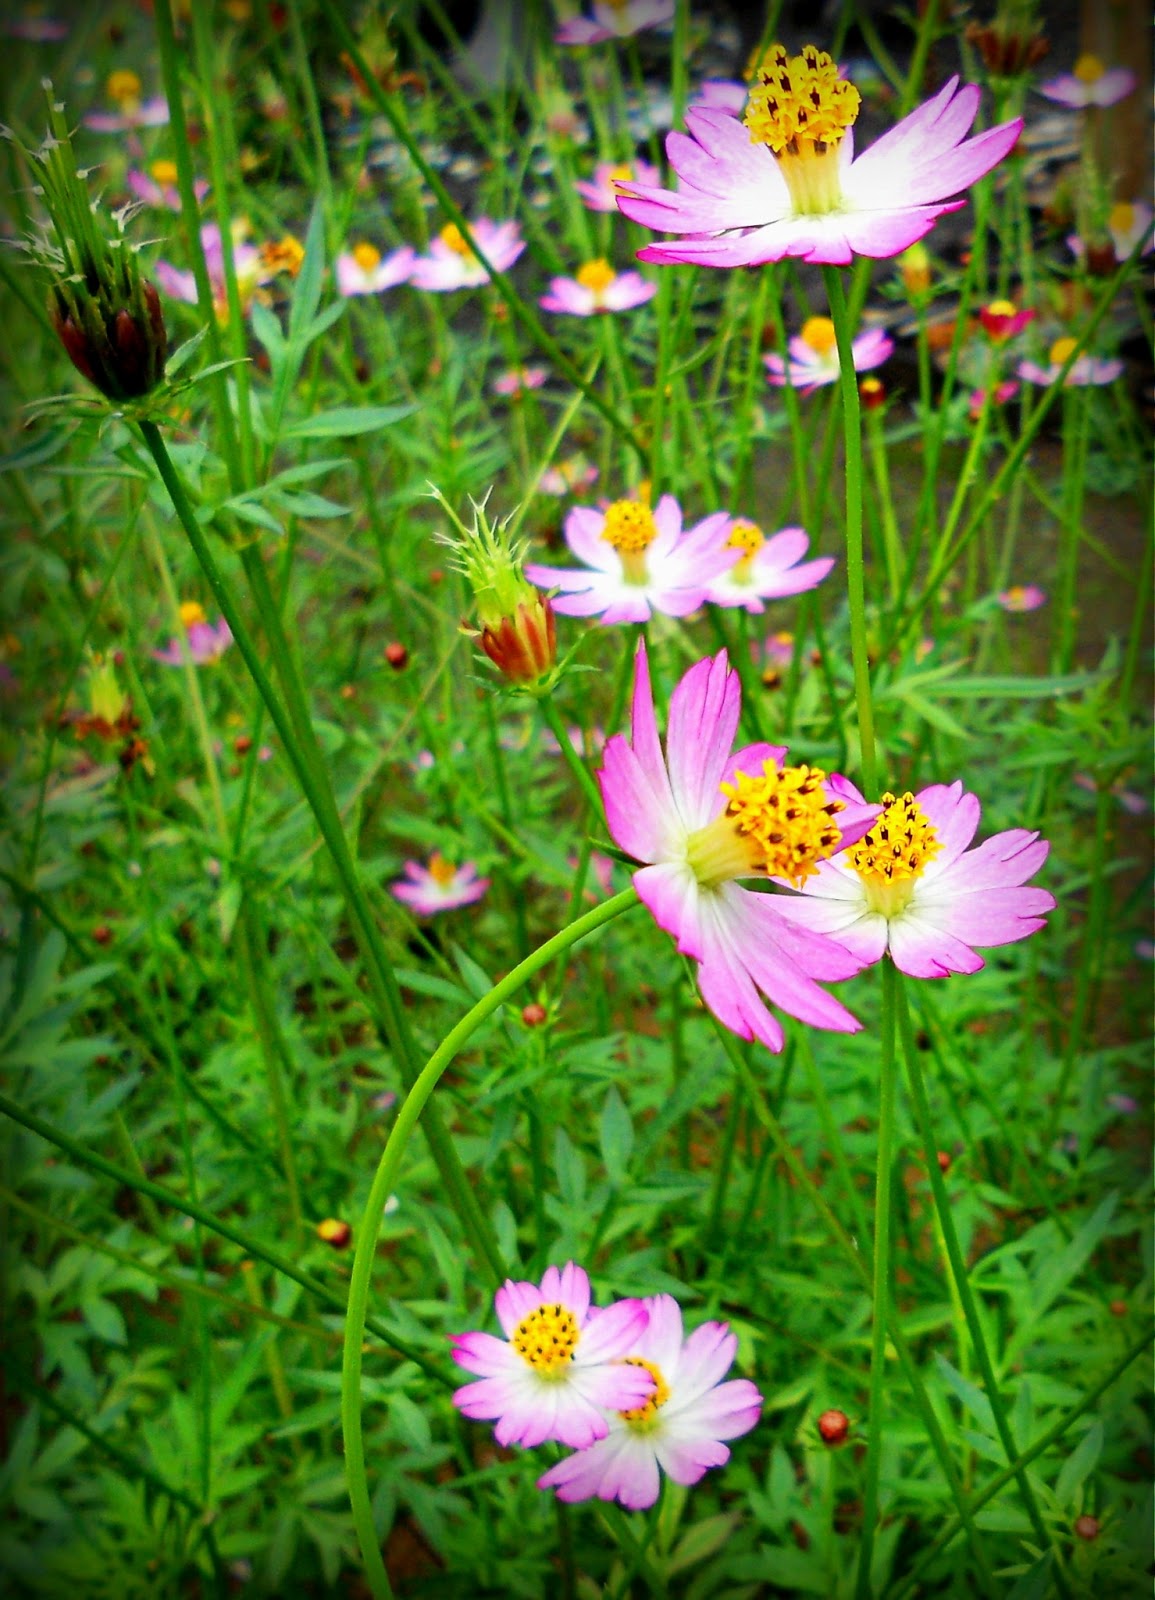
779	824
641	1417
452	236
1089	69
546	1339
366	256
631	529
801	109
441	871
749	538
596	276
891	857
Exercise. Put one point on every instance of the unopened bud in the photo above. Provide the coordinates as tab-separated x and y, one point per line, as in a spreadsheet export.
534	1014
396	655
944	1160
106	315
834	1427
1001	320
334	1232
1087	1527
523	647
914	268
242	744
1005	52
102	934
872	393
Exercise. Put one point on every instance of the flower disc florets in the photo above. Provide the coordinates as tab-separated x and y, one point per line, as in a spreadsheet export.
547	1339
801	108
642	1417
780	823
893	854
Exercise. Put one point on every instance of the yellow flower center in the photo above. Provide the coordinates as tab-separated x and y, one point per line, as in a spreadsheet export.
819	334
1061	351
441	871
164	173
749	538
622	173
801	108
547	1339
778	824
366	256
191	611
1089	69
641	1417
1000	308
452	237
631	529
1122	217
1015	596
914	267
123	86
596	276
283	255
891	857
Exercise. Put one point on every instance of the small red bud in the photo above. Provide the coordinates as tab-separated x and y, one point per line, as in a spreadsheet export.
944	1161
334	1232
347	691
243	743
872	393
834	1427
1118	1308
397	655
533	1015
1087	1527
102	934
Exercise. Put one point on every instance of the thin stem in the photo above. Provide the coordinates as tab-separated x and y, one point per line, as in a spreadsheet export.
383	1182
855	576
573	761
962	1279
881	1279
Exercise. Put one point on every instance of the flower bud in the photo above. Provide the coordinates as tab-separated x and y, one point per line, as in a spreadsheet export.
1087	1527
914	269
396	655
106	315
516	626
834	1427
872	393
1001	320
334	1232
534	1014
1006	51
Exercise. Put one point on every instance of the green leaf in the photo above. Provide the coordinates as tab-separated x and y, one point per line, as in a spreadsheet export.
970	1394
1079	1464
1010	688
1035	1583
345	421
307	289
706	1538
617	1136
105	1320
570	1170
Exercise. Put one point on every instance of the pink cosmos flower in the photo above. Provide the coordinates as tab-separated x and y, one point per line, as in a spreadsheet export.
1090	84
912	887
1087	369
1007	390
1127	223
517	380
1002	321
601	192
568	477
597	287
451	264
614	19
204	642
720	94
814	355
778	651
1022	597
560	1365
636	561
784	181
364	270
679	1429
157	187
438	887
766	569
699	819
246	260
123	88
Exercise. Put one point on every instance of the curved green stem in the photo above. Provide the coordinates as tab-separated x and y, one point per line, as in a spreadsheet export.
383	1181
585	779
855	574
881	1280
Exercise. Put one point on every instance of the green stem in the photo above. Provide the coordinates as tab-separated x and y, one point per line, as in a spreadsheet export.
881	1280
585	779
855	575
383	1183
962	1280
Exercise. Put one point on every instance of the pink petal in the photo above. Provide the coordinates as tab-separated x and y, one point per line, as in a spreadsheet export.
612	1334
704	711
669	891
923	950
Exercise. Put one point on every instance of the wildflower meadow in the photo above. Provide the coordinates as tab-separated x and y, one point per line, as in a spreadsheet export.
575	885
